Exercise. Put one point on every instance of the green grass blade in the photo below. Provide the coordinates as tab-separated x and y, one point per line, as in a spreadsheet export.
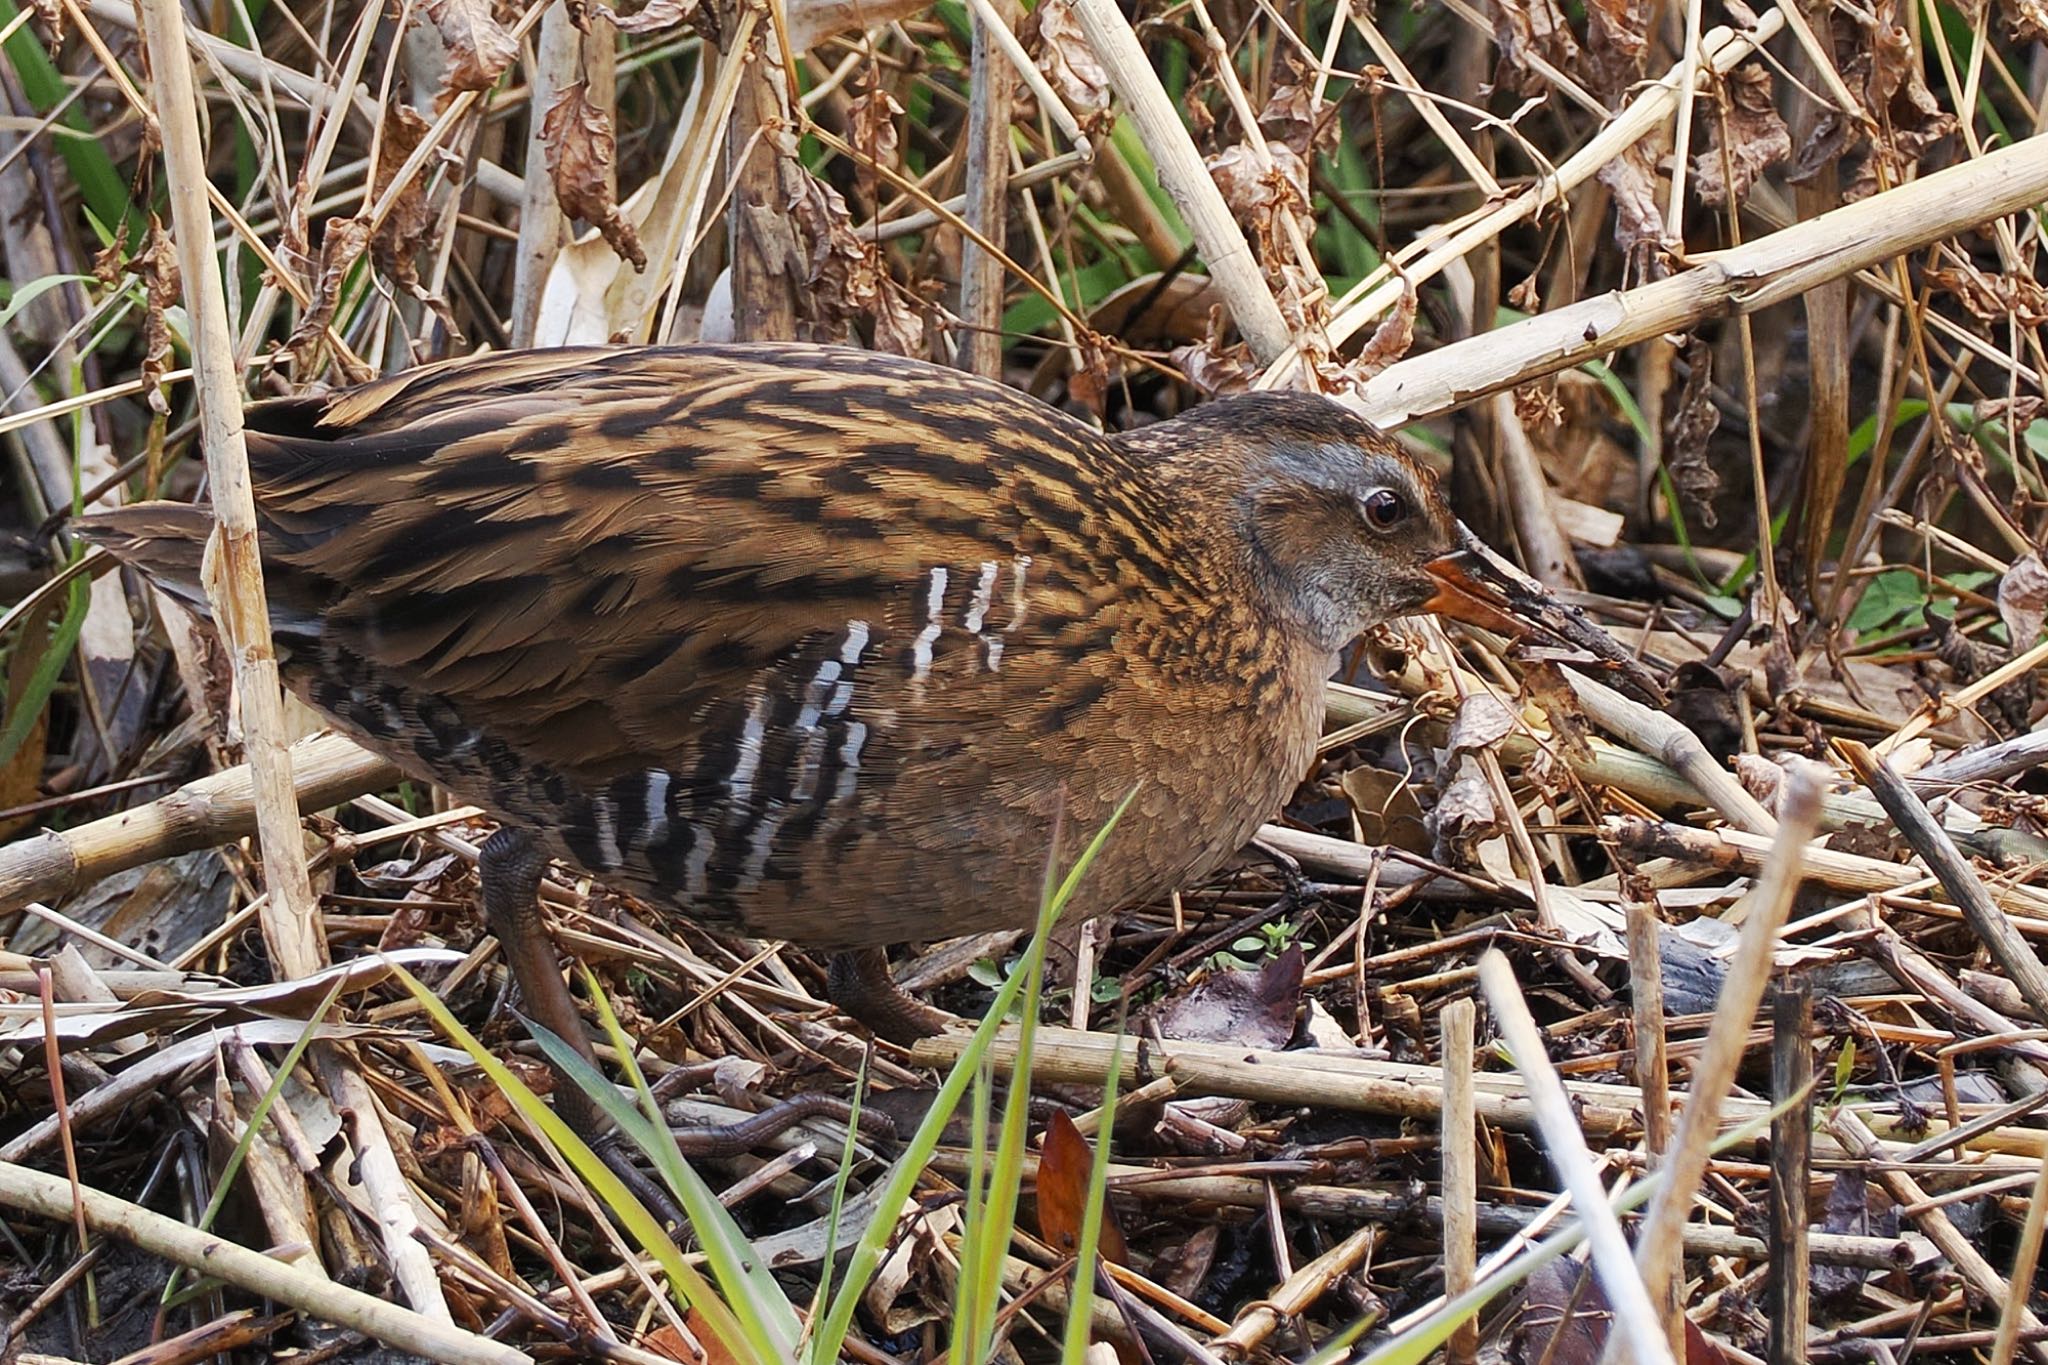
1081	1308
867	1253
755	1296
685	1284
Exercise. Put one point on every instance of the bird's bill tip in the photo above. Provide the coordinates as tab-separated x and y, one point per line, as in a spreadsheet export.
1469	590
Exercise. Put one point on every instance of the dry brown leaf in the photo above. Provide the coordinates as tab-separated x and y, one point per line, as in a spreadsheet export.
1617	41
1565	1321
395	246
657	16
1263	192
2023	600
1088	380
1544	683
1993	296
1526	28
899	328
1069	62
341	245
1214	367
580	147
1692	425
1294	117
1390	339
2026	20
1386	808
479	47
1884	71
1465	816
871	120
156	265
1756	137
1253	1007
1638	216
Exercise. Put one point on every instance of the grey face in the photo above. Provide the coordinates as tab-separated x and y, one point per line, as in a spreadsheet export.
1345	531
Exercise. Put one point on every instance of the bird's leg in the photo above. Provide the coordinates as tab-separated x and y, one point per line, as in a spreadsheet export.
510	865
858	982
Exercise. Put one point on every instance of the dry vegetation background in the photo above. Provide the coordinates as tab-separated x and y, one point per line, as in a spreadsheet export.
1797	466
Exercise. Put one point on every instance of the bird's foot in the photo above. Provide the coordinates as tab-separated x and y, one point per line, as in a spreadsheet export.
858	982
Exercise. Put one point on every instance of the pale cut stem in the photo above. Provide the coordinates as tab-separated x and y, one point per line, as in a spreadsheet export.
1636	1320
1460	1147
50	1196
292	927
1660	1251
1766	271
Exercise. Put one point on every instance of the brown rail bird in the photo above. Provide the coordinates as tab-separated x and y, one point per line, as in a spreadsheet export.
816	643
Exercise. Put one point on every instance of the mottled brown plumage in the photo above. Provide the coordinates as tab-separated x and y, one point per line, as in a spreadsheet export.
816	642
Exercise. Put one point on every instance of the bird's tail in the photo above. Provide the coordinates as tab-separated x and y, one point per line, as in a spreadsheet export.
165	542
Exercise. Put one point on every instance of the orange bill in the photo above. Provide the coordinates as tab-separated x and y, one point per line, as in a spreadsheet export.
1467	592
1478	587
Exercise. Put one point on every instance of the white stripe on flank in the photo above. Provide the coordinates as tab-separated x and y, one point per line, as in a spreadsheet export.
607	831
921	647
1020	567
657	806
849	761
740	786
983	591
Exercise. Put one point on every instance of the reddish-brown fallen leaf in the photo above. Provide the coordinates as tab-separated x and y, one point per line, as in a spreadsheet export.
708	1350
1063	1165
581	149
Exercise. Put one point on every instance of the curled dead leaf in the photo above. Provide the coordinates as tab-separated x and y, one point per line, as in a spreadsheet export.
396	244
1544	683
1531	28
1294	117
1215	367
341	245
1390	338
479	47
845	278
1638	218
581	148
1264	192
1755	137
1069	62
1692	424
1617	41
2023	600
657	16
156	265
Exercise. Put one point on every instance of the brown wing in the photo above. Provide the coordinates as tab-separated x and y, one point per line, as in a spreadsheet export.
703	608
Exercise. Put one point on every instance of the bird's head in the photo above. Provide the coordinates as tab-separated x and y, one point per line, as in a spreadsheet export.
1345	530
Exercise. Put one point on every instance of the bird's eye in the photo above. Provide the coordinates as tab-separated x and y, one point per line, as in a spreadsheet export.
1384	509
